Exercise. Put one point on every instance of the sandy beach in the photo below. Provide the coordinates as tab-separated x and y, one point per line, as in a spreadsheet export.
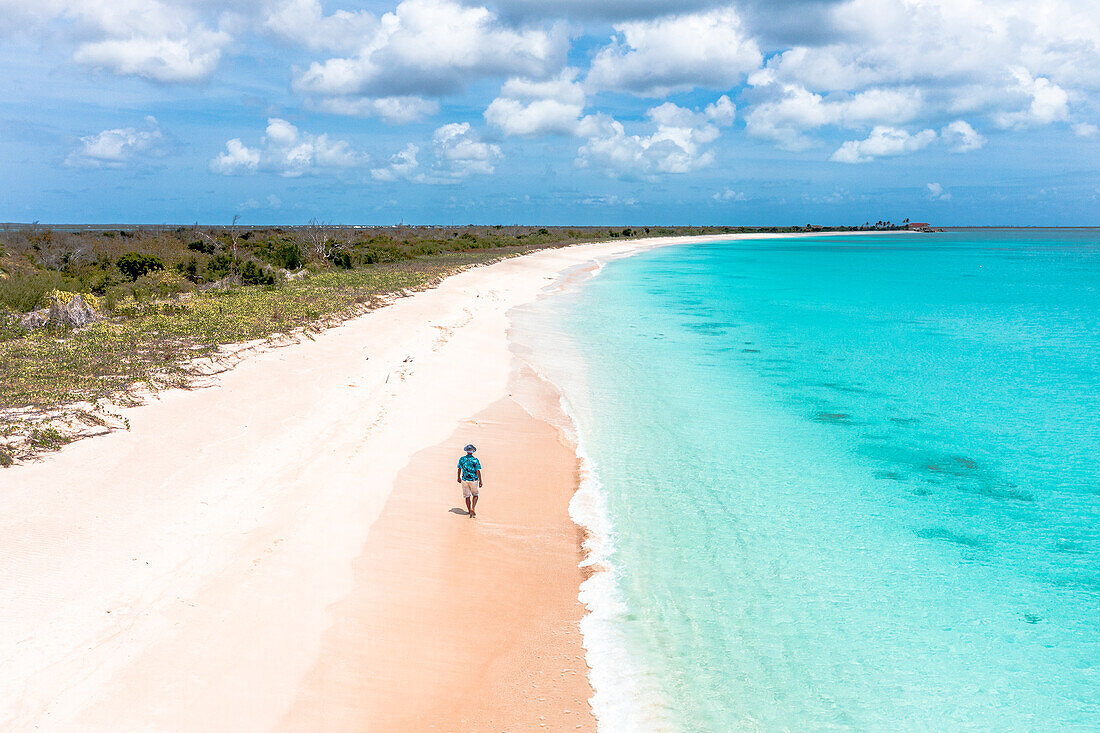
207	569
279	551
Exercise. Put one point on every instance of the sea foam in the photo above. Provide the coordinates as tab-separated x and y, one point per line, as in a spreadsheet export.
626	697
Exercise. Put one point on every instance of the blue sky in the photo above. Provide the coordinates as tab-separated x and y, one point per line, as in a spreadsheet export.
653	111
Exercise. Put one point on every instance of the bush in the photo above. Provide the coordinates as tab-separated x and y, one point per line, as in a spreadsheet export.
253	274
286	255
96	280
166	282
134	264
189	270
219	266
204	247
23	293
341	258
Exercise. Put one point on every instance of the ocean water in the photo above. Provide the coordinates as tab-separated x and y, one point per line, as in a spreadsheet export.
845	483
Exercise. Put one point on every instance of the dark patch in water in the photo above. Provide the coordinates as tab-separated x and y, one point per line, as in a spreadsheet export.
922	491
833	418
709	327
947	535
750	351
1011	493
838	387
889	475
1074	548
905	420
1032	618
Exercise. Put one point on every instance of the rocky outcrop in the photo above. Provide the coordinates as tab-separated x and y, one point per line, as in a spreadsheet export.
70	310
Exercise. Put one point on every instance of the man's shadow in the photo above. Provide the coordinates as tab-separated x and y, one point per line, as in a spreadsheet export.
457	510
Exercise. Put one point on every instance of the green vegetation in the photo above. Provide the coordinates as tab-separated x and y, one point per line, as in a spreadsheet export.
134	264
150	339
21	292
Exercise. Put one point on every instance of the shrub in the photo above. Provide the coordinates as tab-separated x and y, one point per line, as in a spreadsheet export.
189	270
219	266
47	439
205	247
110	299
287	255
166	282
23	293
341	258
253	274
134	264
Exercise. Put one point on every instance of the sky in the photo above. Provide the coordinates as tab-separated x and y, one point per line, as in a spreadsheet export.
956	112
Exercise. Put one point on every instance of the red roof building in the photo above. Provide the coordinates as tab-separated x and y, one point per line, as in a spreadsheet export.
919	225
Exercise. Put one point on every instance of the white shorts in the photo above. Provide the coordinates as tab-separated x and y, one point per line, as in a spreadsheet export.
469	488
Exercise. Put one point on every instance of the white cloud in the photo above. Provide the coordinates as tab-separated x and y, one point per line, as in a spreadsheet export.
605	199
531	107
393	110
612	10
786	118
167	42
675	147
1049	102
432	48
675	53
793	110
189	57
1021	63
402	165
270	202
237	158
881	142
118	146
304	22
730	195
286	151
961	137
1086	129
460	153
936	192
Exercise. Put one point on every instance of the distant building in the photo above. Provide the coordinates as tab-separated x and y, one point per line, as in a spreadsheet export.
919	225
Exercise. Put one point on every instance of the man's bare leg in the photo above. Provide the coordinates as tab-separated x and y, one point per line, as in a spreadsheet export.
473	506
469	507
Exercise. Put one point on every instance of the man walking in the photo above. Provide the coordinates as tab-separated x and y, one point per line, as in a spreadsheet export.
469	475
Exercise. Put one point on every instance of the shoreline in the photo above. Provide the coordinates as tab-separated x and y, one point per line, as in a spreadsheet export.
160	573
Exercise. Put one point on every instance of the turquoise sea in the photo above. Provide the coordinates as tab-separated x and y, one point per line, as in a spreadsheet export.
844	482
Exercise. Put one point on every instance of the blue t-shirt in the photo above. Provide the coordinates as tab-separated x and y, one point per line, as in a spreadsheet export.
470	466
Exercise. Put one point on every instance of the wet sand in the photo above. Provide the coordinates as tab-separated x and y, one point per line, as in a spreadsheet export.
461	624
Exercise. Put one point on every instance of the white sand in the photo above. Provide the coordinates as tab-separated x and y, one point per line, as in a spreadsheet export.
176	576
